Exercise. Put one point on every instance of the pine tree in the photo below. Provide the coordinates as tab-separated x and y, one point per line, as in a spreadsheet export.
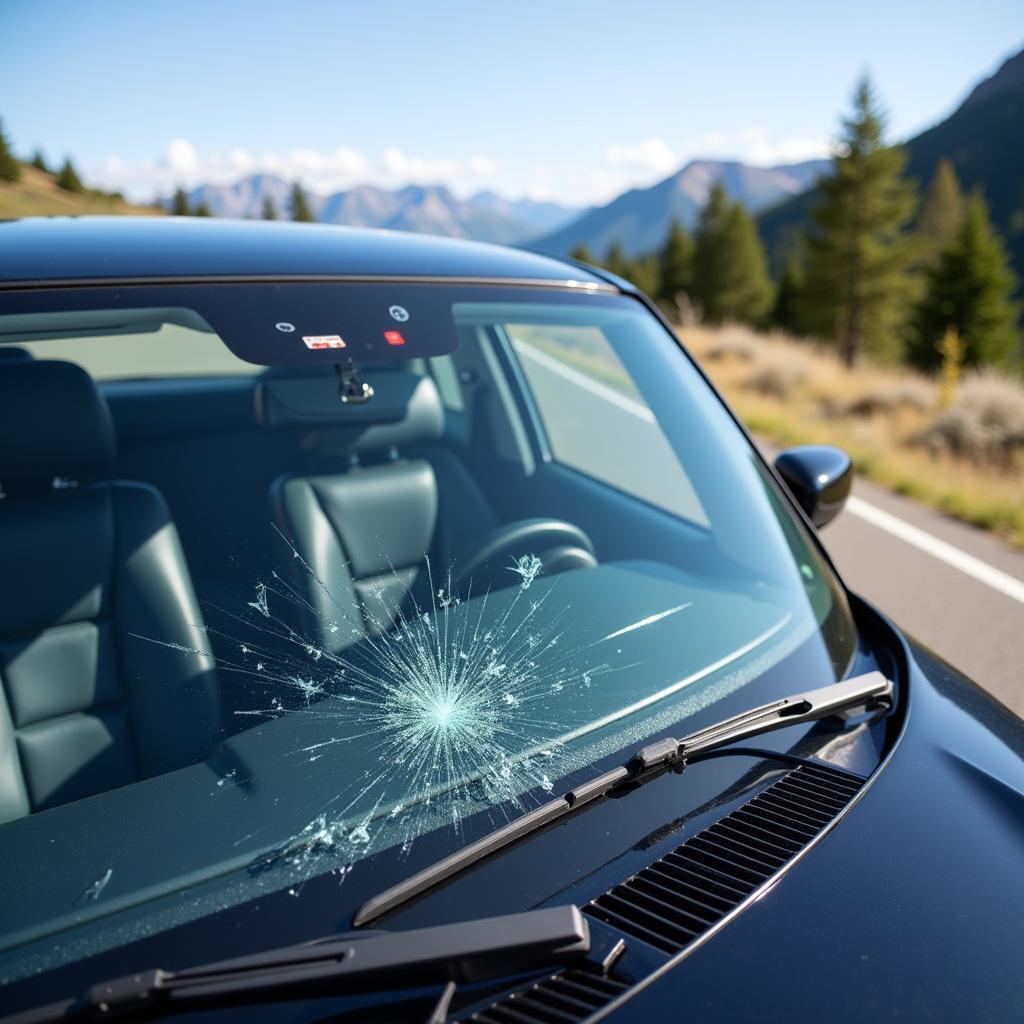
10	168
645	273
179	204
789	296
858	281
941	212
730	275
749	295
582	254
269	209
68	178
39	162
710	261
615	260
676	259
970	289
202	209
298	203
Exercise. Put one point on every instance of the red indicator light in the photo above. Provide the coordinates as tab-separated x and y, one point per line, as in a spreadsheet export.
394	338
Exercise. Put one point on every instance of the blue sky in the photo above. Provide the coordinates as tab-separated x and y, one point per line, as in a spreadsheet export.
565	100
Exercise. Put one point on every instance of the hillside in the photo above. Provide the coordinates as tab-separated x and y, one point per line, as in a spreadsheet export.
37	195
984	139
639	219
431	209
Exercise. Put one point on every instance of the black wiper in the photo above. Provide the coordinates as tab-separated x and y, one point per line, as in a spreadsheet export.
465	952
868	691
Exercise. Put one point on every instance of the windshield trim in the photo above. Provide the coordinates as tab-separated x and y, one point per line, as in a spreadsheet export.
566	284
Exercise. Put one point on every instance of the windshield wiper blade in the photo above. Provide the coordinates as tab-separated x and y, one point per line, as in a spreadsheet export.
867	691
465	952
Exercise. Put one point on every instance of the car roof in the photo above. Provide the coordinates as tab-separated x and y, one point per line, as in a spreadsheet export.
48	250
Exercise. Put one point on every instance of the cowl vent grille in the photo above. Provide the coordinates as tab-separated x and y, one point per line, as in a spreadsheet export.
677	899
674	901
566	998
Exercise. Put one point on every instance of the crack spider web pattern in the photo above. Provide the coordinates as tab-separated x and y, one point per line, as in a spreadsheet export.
454	707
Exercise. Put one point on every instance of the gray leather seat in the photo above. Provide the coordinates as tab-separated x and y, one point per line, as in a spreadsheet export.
91	572
366	533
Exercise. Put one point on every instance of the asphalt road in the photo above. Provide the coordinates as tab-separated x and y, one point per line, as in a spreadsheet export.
954	588
973	622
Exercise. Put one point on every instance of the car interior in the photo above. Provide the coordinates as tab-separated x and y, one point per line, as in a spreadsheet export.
149	507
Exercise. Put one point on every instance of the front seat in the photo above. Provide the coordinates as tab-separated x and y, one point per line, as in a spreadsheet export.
362	535
93	587
379	539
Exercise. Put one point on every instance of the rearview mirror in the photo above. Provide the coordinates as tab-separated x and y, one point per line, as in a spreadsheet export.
819	477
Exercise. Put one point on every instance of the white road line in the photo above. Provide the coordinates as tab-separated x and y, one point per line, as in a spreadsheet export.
952	556
637	409
998	580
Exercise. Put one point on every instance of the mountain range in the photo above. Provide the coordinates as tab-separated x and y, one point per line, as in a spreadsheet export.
431	209
639	219
984	140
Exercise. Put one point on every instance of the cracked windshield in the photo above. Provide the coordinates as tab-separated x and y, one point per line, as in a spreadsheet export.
421	610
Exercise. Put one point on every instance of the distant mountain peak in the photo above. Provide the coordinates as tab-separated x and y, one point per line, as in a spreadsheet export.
1009	78
639	219
431	208
984	140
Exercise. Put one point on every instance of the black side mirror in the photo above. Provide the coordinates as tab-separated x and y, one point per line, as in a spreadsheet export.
820	477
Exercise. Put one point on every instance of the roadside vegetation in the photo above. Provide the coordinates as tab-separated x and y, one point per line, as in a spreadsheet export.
33	188
957	445
882	272
892	330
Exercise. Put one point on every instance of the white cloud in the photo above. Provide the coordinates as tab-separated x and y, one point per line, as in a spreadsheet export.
482	166
651	156
321	171
181	157
755	147
620	166
402	168
421	170
623	166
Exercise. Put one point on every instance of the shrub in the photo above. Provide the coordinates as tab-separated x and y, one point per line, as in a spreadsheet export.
985	422
887	398
778	376
734	343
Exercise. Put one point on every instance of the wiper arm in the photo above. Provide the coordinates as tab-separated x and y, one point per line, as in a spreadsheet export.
867	691
468	951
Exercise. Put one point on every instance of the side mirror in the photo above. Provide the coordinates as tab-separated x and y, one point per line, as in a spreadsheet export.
820	477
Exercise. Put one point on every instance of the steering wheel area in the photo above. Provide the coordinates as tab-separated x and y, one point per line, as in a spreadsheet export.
526	548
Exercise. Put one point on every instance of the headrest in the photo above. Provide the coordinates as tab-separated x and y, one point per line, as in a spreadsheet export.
53	423
405	409
14	354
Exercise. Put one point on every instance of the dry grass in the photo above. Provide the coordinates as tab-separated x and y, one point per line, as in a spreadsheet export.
791	393
985	421
37	195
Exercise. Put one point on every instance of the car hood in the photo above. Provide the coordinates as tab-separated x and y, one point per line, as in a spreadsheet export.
910	909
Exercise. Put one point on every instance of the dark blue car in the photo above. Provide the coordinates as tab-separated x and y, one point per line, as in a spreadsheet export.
401	629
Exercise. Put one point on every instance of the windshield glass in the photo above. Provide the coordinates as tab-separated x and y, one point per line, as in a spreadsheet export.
269	634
